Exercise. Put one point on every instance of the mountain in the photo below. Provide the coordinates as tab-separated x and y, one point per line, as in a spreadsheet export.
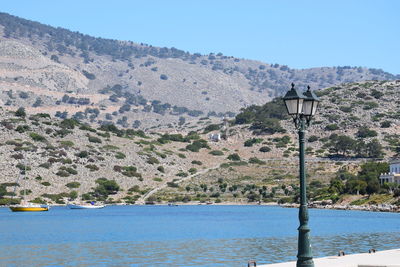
97	80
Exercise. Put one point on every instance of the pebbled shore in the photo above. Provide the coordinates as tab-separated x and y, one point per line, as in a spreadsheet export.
376	208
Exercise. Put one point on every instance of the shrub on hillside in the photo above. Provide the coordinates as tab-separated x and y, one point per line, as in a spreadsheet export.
94	139
252	141
22	128
161	169
152	160
386	124
255	160
92	167
331	127
197	145
234	157
192	170
37	137
364	132
265	149
82	154
120	155
216	153
73	185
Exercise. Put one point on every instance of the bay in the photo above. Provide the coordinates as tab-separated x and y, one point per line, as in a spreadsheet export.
185	235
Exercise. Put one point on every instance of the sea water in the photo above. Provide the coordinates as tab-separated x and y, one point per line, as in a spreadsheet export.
185	235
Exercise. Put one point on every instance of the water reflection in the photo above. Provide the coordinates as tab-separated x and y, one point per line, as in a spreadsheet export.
218	252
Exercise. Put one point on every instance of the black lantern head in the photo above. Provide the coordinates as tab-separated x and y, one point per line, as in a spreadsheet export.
294	101
310	104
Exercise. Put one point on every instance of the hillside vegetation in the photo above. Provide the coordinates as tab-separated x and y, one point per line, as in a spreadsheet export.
348	145
65	159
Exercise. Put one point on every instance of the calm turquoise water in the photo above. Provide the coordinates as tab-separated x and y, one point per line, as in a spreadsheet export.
184	235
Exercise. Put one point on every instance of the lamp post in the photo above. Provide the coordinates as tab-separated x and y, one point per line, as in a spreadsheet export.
302	107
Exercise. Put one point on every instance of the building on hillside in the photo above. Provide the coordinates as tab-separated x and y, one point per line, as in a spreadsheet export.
394	174
215	137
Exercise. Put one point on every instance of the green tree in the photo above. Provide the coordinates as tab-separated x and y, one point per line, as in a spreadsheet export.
342	144
355	186
374	149
364	132
372	187
336	186
390	187
20	113
234	157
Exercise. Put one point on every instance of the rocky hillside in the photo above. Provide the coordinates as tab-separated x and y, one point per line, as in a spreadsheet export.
65	159
69	74
58	160
355	124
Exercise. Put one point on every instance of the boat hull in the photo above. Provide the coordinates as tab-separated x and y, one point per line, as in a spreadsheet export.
16	209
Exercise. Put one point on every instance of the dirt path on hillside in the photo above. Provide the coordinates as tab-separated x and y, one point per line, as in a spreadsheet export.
142	199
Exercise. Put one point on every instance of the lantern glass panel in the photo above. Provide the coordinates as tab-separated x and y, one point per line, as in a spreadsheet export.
308	107
294	106
314	108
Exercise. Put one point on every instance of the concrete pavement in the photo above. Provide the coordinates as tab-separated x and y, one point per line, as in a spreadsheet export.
386	258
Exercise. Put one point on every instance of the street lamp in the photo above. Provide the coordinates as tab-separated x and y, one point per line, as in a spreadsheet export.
302	107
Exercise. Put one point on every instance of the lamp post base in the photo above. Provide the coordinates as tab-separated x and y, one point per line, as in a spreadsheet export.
306	263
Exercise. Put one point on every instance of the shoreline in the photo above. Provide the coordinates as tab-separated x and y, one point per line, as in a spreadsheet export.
371	208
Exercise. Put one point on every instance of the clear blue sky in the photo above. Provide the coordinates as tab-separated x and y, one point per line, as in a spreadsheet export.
300	34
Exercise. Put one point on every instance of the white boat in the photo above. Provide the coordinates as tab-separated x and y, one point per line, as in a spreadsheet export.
85	206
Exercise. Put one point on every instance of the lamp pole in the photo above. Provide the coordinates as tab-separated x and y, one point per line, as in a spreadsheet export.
304	252
302	107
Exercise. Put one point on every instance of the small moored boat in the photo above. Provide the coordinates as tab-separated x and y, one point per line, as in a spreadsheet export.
30	207
25	205
85	206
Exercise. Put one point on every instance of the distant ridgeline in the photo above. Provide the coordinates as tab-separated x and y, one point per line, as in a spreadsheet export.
140	83
60	39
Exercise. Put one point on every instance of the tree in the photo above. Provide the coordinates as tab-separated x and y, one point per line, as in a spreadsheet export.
336	186
372	187
234	157
372	170
386	124
3	191
354	186
73	195
20	112
105	187
342	144
390	187
374	149
182	121
364	132
136	124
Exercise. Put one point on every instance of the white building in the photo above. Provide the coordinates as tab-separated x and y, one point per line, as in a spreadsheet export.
215	137
394	175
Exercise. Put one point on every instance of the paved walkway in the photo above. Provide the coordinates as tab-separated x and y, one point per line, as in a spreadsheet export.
387	258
